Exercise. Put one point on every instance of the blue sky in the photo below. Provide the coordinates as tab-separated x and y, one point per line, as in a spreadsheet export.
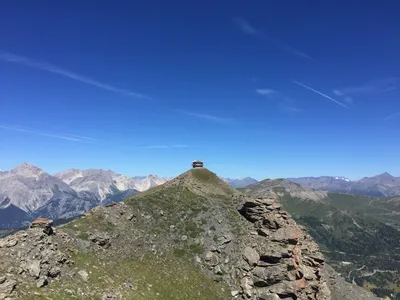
258	88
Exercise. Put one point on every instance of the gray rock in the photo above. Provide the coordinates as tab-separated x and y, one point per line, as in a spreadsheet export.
251	256
34	268
11	243
247	285
54	271
84	275
286	235
109	296
101	239
211	258
268	296
265	276
42	281
7	287
217	270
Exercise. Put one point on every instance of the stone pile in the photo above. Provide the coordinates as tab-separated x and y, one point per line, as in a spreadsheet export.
282	261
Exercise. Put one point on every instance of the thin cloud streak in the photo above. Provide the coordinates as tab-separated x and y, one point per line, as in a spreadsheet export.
30	131
245	27
320	93
8	57
392	116
205	116
382	84
82	137
163	146
265	92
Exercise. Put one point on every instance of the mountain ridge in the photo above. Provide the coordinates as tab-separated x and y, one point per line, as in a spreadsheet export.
382	185
192	238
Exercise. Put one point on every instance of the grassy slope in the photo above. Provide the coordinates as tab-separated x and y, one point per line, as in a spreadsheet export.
188	206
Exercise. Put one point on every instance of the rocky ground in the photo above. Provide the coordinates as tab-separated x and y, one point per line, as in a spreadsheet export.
192	238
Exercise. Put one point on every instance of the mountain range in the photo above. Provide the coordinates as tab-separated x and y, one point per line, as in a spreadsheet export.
382	185
27	192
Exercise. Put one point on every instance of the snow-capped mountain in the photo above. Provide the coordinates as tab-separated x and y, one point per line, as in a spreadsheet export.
27	192
29	188
101	182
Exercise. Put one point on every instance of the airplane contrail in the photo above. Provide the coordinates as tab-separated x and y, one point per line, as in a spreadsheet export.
320	93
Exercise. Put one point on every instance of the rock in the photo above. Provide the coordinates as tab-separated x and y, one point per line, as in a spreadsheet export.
324	293
286	235
283	289
42	282
224	239
265	276
217	270
84	275
268	296
184	237
11	243
34	268
2	279
101	239
251	256
54	272
211	258
130	217
234	293
247	285
109	296
263	232
7	287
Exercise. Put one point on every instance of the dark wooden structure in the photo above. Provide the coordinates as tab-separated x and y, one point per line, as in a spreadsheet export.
197	164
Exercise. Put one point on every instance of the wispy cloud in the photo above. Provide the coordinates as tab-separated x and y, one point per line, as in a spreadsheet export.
8	57
205	116
379	85
72	138
392	116
245	27
320	93
162	146
265	92
83	137
292	109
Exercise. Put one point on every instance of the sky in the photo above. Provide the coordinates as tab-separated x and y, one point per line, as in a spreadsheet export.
256	88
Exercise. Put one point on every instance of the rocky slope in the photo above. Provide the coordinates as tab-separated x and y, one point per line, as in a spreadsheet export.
191	238
379	186
358	234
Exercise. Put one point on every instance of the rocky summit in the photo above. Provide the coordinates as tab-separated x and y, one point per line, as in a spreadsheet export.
193	237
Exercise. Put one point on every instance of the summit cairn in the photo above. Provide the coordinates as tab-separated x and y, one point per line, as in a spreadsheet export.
44	223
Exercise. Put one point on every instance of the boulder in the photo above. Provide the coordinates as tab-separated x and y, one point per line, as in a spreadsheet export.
211	258
6	287
251	256
287	235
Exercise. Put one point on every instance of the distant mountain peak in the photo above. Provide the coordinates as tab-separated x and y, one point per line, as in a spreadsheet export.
27	170
386	174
